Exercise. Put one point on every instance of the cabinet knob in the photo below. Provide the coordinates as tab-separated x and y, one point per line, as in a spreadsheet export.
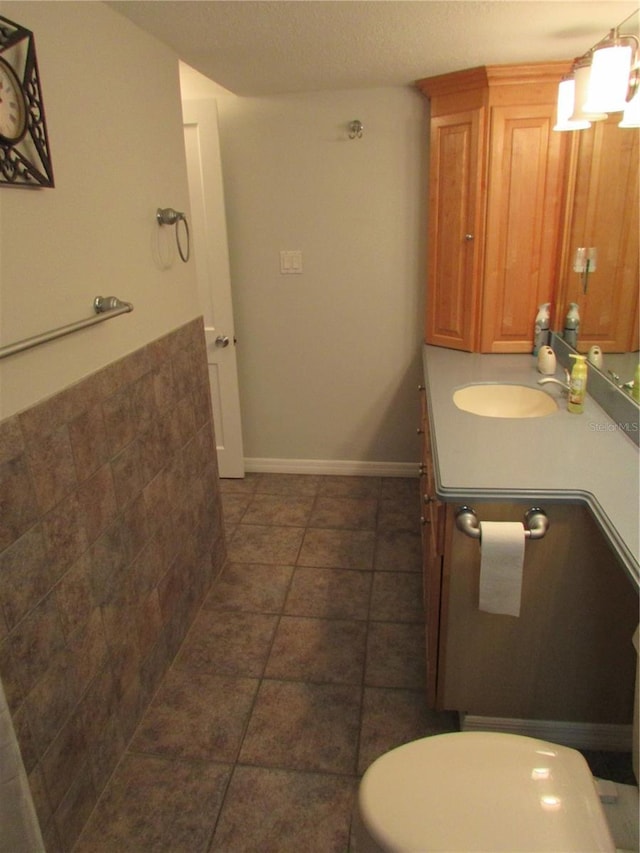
420	431
468	236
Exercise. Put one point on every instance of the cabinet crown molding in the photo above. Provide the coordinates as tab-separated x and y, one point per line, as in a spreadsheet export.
486	76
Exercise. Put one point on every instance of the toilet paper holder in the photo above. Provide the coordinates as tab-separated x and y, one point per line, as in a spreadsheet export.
536	522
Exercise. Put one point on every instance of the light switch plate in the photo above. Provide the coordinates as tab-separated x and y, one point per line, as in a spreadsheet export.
291	262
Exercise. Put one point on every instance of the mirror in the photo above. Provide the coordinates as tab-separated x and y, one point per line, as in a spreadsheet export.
601	211
602	222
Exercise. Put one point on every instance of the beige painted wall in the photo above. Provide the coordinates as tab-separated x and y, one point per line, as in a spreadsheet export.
112	100
329	360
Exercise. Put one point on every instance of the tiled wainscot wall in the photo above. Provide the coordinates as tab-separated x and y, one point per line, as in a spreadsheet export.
110	535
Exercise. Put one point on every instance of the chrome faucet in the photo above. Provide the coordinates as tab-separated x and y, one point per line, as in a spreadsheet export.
552	380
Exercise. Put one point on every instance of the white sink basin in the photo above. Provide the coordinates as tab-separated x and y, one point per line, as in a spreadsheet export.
493	400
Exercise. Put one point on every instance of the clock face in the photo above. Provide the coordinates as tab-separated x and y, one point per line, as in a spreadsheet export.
13	108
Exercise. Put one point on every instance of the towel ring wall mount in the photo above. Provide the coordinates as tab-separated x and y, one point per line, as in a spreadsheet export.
169	216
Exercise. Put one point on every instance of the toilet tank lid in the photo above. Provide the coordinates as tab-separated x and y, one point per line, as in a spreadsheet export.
476	791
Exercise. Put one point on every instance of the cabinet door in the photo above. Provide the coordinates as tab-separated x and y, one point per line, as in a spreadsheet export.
454	225
603	213
569	655
522	227
432	520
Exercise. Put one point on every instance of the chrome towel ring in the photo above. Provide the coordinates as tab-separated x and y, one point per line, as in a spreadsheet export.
169	216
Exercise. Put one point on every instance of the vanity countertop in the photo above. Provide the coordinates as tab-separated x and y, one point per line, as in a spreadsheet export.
583	458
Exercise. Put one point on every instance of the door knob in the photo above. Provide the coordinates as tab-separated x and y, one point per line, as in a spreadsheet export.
222	341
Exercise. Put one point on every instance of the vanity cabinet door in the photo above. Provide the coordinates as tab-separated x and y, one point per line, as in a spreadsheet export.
602	212
453	279
432	524
568	655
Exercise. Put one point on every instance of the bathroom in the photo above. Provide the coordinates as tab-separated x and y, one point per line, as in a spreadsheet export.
96	233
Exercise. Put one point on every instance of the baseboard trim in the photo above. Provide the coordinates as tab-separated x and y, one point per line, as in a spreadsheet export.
600	736
329	466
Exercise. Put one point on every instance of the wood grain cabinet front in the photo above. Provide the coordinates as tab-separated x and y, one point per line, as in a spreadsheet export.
495	204
432	523
568	656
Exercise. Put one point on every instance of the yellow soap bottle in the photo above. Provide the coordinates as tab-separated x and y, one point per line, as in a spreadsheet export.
577	384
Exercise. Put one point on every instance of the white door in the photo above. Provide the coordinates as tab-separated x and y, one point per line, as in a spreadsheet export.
210	252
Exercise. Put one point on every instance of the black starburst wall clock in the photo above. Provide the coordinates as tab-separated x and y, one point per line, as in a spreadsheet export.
25	160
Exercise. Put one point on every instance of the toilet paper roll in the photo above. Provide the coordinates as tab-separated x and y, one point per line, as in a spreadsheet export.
501	561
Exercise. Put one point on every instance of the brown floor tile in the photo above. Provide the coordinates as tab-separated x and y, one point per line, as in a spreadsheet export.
397	597
399	514
299	726
250	587
398	551
196	715
286	510
337	549
253	543
234	506
279	811
156	804
353	487
401	488
242	485
326	650
329	593
228	643
344	513
288	484
395	655
392	717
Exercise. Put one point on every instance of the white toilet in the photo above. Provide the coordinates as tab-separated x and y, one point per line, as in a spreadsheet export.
477	791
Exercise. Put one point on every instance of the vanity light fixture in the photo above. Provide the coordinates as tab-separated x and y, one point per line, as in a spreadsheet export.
566	99
605	80
610	78
631	114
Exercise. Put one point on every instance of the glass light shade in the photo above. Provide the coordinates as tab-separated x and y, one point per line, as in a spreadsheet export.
609	79
581	76
566	93
631	115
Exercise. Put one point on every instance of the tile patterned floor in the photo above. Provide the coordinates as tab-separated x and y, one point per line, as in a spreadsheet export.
304	664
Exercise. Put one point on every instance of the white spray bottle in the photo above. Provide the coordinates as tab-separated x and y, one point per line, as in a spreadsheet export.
541	328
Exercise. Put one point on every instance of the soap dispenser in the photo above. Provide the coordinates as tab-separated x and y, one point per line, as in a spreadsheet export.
577	384
572	325
541	327
546	361
595	356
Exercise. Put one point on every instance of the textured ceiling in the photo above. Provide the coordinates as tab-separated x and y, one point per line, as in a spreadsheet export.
285	46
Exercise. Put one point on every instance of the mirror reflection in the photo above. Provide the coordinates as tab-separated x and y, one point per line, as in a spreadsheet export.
599	256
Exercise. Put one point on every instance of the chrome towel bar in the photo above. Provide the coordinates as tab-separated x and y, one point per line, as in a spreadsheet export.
105	308
536	522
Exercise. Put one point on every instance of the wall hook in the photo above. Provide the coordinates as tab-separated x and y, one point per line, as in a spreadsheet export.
356	129
169	216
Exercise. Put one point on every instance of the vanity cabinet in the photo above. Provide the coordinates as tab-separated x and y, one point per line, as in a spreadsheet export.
495	204
602	212
568	656
432	525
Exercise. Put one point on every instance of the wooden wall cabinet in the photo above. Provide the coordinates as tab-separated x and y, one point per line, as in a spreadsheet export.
495	204
602	212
